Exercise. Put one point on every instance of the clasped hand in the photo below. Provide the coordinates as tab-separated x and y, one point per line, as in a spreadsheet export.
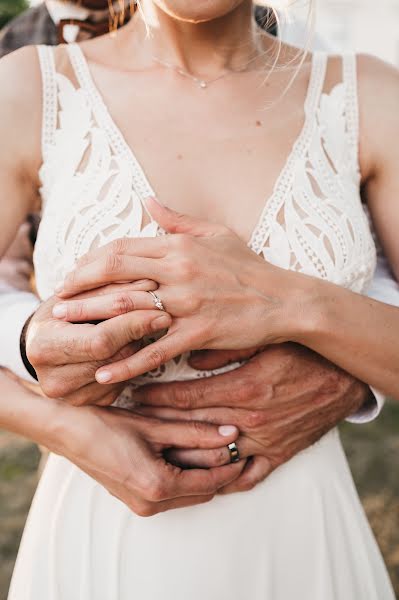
209	281
281	401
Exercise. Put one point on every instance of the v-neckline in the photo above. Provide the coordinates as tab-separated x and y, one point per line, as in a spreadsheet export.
141	182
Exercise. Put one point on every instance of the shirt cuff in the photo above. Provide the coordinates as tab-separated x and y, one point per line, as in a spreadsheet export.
15	309
370	410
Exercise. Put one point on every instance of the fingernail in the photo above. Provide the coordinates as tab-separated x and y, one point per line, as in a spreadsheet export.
104	376
60	311
228	430
160	322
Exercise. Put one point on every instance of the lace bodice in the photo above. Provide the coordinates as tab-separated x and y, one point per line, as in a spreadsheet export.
93	187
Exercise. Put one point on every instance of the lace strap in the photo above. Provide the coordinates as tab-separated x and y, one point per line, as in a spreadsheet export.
50	97
298	152
349	68
105	121
316	84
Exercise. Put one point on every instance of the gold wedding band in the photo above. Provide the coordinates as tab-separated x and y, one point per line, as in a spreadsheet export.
157	301
234	452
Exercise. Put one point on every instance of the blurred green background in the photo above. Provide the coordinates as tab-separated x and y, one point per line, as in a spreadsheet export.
11	8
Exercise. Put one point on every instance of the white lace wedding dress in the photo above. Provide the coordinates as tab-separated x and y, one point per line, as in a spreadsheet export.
301	533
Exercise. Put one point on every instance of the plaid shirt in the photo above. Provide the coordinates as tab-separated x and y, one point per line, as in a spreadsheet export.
34	26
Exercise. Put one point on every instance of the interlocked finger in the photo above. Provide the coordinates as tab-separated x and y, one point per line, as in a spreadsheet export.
205	459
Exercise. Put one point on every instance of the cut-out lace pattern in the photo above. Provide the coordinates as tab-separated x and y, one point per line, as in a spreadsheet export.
93	188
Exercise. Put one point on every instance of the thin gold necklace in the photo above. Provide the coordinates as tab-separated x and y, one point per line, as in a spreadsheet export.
202	83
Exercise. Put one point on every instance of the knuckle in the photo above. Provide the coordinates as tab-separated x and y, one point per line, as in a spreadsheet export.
187	398
101	346
156	491
53	387
113	263
248	485
155	357
145	510
141	327
219	457
335	383
119	246
78	400
277	459
185	269
76	311
122	303
36	352
190	303
181	241
255	419
199	429
69	348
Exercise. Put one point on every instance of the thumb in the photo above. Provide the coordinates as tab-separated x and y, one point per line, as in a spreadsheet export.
175	222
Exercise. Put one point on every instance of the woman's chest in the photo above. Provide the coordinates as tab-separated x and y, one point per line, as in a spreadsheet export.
292	191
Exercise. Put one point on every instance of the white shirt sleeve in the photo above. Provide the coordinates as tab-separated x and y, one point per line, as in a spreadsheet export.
15	308
17	302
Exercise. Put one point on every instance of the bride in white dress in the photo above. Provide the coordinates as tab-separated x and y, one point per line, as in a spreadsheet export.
216	147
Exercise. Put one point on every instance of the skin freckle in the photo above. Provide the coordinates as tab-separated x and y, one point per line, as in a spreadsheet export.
258	123
179	156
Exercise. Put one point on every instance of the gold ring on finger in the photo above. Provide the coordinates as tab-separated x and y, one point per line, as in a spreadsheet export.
234	452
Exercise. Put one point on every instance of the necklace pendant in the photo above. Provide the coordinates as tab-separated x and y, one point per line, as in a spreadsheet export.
203	84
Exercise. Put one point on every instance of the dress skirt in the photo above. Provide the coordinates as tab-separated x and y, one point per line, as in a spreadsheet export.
301	534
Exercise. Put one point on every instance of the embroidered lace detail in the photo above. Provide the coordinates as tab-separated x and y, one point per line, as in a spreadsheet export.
49	121
284	182
105	122
315	222
93	189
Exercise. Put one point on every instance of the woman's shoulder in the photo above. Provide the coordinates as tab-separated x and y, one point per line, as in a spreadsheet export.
20	70
20	102
378	100
20	83
375	75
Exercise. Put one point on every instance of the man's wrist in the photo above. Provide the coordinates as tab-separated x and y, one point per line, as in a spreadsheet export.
22	348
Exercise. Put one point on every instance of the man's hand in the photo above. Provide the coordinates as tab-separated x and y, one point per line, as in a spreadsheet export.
283	400
67	355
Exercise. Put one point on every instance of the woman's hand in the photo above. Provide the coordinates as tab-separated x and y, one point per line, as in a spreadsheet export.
210	282
124	452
